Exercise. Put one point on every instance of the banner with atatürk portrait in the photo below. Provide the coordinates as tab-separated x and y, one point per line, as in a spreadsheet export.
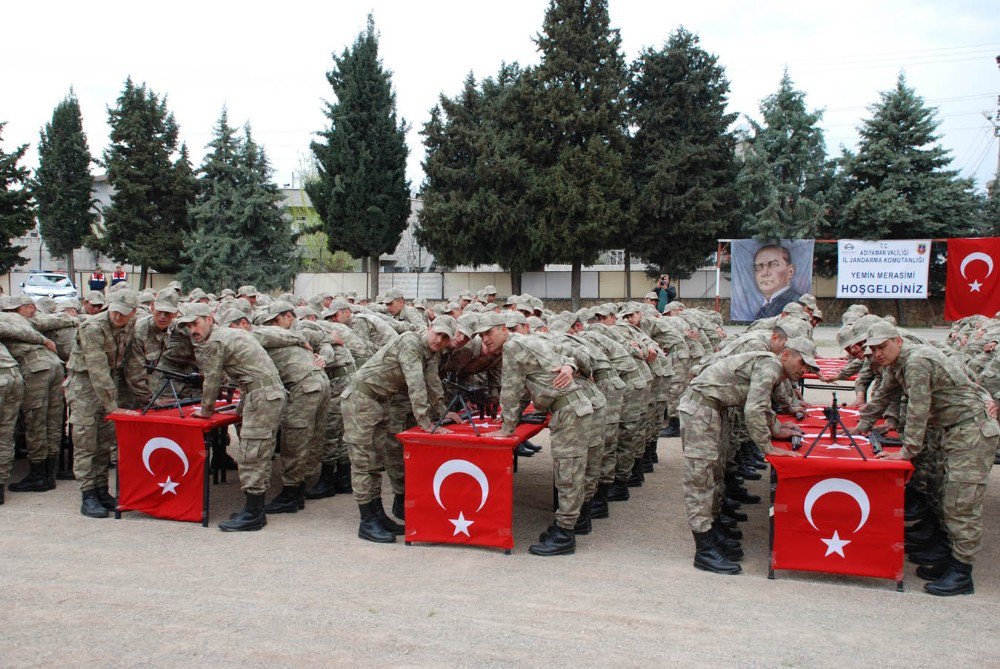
767	275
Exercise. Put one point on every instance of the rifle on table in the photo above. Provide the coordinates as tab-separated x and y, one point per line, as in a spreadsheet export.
171	378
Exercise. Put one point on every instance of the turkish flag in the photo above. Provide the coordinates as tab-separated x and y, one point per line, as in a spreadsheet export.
839	515
161	467
973	283
459	487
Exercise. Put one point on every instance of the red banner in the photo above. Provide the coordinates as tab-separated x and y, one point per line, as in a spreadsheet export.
973	282
839	515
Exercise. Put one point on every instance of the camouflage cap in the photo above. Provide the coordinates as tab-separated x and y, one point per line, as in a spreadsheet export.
817	314
277	308
808	300
793	308
192	312
451	306
488	321
196	294
511	300
420	303
560	325
651	295
536	323
513	318
673	306
391	295
227	292
167	301
248	291
466	324
123	301
606	309
805	348
306	312
46	305
15	301
465	295
490	289
67	305
482	295
583	315
844	336
95	297
630	308
176	285
445	325
881	332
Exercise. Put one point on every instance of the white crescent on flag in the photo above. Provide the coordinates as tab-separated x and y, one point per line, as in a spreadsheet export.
155	444
978	255
461	467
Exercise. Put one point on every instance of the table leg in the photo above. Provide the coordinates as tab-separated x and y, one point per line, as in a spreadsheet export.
118	493
207	487
770	524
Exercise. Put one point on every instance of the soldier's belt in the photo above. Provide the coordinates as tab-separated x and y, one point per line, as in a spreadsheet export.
564	401
338	372
602	374
260	385
706	401
367	390
964	421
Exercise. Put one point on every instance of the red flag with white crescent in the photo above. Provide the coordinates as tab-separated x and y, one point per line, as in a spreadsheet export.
973	280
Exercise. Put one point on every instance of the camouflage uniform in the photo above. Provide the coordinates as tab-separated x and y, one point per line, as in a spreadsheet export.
743	380
145	348
339	366
11	394
528	362
237	354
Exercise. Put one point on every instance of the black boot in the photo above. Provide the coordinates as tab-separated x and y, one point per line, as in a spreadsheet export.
653	456
729	547
371	529
708	558
399	506
104	497
558	541
922	532
91	507
302	495
583	524
930	553
733	511
342	478
325	485
599	505
51	465
741	494
731	532
957	580
618	491
523	451
529	445
388	523
748	472
914	505
2	488
636	478
673	428
250	519
647	459
932	572
286	501
37	479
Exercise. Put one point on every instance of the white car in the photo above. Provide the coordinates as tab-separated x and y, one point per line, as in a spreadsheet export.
49	284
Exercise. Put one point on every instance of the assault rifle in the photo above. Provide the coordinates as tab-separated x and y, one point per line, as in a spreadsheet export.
833	421
170	379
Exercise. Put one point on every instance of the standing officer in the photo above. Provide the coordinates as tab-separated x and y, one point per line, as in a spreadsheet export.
92	395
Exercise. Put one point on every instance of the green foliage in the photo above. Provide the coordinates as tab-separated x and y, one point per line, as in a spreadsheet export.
681	155
316	255
16	210
361	192
989	213
785	174
151	181
63	184
241	234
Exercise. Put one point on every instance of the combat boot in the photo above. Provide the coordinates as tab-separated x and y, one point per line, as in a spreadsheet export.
2	488
636	478
599	505
922	532
370	528
731	532
654	457
747	471
36	481
932	572
250	519
286	501
388	523
531	446
957	580
647	459
741	494
708	558
51	465
302	496
104	497
618	491
399	506
325	485
523	451
342	478
558	541
91	506
914	505
729	547
583	524
733	510
673	428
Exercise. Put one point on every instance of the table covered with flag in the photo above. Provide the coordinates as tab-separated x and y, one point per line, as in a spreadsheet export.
836	511
460	486
163	461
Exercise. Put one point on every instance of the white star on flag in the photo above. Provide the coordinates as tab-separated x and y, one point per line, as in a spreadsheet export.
169	486
461	525
835	545
975	286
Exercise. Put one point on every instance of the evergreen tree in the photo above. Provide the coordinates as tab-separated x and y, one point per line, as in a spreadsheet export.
989	214
63	185
785	172
241	234
150	187
575	139
682	155
362	193
476	178
16	211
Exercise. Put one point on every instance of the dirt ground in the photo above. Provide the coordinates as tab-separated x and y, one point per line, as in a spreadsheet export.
307	592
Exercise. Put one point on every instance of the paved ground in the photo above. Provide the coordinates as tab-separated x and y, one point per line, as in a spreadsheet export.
306	591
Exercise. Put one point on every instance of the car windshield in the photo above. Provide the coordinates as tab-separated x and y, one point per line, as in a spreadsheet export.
50	280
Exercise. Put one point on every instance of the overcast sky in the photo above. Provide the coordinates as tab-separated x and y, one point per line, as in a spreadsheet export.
267	61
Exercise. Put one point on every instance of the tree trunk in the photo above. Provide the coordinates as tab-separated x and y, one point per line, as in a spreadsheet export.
574	283
143	273
628	275
373	276
515	283
71	271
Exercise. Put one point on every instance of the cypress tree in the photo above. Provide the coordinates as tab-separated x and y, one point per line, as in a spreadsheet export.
16	208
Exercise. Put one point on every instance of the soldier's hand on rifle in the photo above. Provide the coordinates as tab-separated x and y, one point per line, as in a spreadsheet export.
126	412
782	453
49	344
453	417
564	377
896	455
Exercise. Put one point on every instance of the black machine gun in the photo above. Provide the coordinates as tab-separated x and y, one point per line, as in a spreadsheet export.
833	421
464	399
170	379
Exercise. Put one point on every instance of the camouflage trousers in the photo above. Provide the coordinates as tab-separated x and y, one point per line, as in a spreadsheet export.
43	409
366	425
303	426
634	408
928	471
262	410
701	434
11	394
93	436
333	440
969	449
570	437
600	465
400	418
678	384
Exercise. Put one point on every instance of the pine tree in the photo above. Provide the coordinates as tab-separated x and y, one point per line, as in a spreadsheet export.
785	172
682	155
476	178
17	214
63	185
241	234
989	213
362	193
150	187
576	141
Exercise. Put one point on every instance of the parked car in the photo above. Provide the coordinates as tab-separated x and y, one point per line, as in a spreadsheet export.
49	284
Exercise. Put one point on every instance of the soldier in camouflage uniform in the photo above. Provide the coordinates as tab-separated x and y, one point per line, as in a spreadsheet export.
940	394
744	380
92	394
11	393
407	362
146	347
531	364
235	353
